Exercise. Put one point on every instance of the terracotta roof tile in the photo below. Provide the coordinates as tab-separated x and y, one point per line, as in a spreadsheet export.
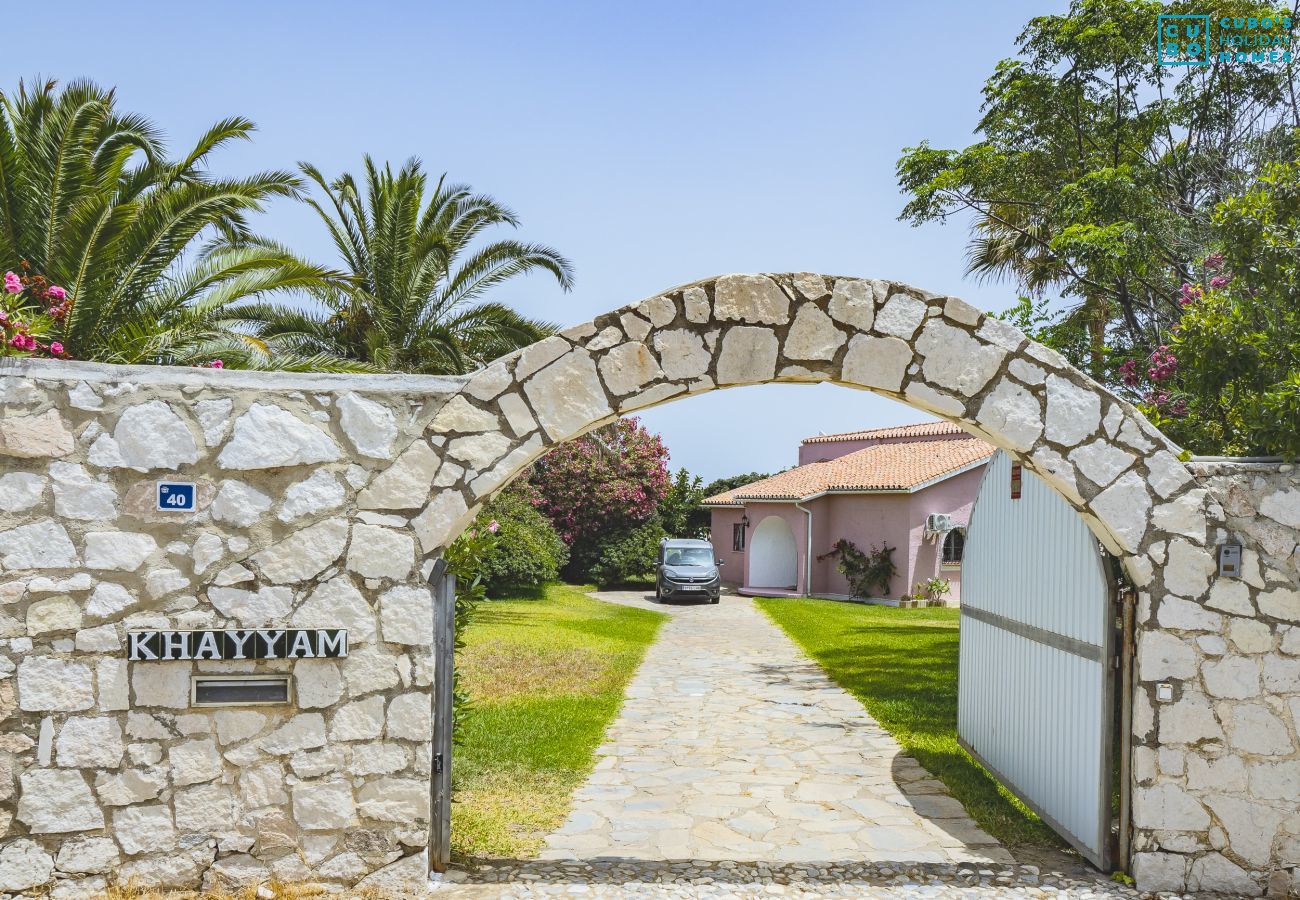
923	429
882	467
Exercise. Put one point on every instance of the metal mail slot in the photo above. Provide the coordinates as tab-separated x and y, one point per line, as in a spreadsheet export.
240	690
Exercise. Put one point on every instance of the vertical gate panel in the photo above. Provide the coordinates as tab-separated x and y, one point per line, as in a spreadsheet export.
1034	673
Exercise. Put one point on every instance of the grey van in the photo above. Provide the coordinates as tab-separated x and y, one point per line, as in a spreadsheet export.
687	568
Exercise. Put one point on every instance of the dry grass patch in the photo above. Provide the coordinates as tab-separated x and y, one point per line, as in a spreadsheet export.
504	672
545	678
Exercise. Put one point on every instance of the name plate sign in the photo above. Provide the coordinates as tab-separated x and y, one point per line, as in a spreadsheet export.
271	643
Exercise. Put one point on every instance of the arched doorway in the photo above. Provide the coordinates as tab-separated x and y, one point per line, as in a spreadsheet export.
773	556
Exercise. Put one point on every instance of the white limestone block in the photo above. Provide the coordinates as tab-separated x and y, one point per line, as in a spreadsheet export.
320	492
267	437
118	551
304	553
50	683
37	545
750	298
377	552
57	802
370	426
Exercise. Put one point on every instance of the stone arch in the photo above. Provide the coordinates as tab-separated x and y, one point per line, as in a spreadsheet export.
935	353
932	352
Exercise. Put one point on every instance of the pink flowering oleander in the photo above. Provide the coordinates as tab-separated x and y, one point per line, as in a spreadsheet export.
595	483
1163	364
1128	373
13	284
56	292
1220	281
56	348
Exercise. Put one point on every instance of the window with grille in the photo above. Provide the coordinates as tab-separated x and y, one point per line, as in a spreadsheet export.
737	537
954	542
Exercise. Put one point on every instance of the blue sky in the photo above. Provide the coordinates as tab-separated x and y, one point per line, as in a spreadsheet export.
653	144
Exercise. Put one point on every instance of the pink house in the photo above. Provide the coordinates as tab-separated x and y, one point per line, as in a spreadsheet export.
890	485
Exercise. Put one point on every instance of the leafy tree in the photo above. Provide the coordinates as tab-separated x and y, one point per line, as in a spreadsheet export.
151	254
731	482
700	520
527	552
1228	380
412	299
1098	169
680	512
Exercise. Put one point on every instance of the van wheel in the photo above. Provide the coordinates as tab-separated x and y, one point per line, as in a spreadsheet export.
715	599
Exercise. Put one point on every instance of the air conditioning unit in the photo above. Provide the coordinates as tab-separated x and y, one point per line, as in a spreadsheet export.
938	523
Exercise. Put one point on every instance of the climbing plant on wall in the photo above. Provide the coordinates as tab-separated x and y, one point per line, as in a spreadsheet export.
864	571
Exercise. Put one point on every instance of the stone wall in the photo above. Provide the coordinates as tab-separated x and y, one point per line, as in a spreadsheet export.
105	770
1216	768
323	500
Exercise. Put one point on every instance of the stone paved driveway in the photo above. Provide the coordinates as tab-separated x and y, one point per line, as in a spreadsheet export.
732	745
737	769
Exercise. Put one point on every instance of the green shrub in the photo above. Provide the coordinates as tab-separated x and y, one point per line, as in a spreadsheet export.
627	555
528	551
465	561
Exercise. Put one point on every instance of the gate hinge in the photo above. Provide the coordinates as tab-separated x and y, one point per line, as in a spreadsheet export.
437	763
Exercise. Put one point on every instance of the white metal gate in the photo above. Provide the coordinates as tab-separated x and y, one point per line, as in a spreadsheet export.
1035	691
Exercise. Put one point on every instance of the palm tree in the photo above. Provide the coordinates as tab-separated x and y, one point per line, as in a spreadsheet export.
154	253
412	299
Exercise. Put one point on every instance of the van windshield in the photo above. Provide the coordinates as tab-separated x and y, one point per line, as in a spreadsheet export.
689	556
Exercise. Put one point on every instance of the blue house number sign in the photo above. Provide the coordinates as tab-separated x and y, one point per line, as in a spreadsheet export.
176	496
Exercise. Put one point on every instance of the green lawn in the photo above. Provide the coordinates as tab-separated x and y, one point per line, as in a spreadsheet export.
902	665
545	676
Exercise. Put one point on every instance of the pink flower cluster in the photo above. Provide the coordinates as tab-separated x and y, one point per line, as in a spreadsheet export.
610	478
212	364
1128	373
1160	399
54	298
1193	292
1163	364
15	332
